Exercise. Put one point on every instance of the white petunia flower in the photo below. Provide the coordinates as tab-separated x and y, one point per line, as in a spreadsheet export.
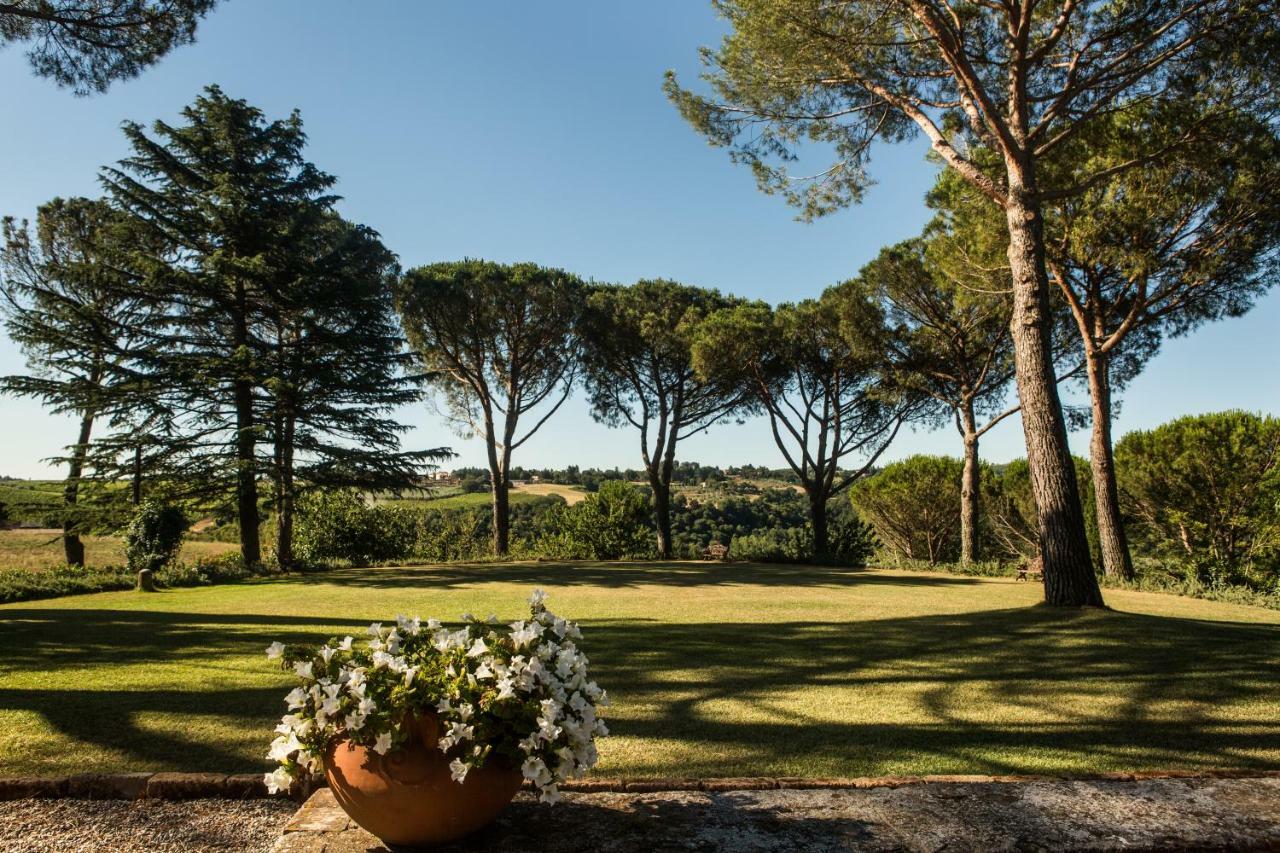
278	780
477	648
345	645
282	747
303	669
458	770
383	743
275	651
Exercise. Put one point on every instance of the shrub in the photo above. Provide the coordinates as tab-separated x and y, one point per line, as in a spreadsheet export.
1205	491
914	507
154	536
790	545
337	524
850	541
614	523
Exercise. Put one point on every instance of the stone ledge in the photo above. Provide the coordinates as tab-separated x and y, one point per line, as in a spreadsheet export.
187	786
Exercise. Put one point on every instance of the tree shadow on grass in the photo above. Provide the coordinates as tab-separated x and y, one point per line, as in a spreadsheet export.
995	691
617	575
48	639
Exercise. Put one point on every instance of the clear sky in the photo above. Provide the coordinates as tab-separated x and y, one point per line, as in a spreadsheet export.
537	131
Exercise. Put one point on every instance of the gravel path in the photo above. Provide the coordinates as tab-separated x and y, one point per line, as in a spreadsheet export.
1153	815
155	826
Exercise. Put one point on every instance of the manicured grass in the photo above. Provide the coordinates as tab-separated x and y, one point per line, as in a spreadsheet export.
721	670
42	549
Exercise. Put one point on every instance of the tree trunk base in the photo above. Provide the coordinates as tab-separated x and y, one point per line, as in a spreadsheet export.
146	581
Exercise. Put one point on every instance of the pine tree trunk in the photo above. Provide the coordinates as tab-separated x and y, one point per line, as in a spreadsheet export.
1068	570
818	517
246	457
72	547
662	513
246	475
1116	561
969	494
285	498
501	515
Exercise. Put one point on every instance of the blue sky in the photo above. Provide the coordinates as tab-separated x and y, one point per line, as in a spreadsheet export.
537	132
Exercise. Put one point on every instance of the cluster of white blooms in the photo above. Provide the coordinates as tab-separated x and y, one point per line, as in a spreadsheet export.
518	692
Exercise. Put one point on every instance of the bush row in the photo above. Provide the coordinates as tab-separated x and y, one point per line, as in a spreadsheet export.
28	585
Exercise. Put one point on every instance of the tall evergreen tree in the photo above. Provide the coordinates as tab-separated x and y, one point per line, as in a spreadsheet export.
1154	253
335	366
501	341
638	366
67	304
229	196
86	44
1019	79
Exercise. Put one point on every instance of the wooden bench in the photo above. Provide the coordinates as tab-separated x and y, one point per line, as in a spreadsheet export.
715	551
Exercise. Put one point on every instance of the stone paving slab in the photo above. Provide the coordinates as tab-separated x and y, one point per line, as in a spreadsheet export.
1101	814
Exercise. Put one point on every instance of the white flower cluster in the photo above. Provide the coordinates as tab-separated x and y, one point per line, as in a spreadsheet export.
521	694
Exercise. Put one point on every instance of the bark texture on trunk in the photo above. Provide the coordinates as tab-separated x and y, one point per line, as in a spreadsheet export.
285	497
501	515
246	443
818	515
1068	570
662	514
72	547
1116	561
247	476
970	548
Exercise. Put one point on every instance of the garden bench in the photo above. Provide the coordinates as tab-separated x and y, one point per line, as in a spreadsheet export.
715	551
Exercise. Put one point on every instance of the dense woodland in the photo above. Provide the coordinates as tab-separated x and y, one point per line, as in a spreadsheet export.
223	337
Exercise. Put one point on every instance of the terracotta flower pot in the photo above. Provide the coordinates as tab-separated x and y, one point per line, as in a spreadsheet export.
407	798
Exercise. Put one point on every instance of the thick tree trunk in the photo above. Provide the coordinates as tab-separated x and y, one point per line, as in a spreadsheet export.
818	517
969	494
662	514
246	444
1068	570
72	547
246	475
501	514
1116	561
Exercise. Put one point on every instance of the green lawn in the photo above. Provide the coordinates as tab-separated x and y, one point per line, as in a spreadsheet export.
713	669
